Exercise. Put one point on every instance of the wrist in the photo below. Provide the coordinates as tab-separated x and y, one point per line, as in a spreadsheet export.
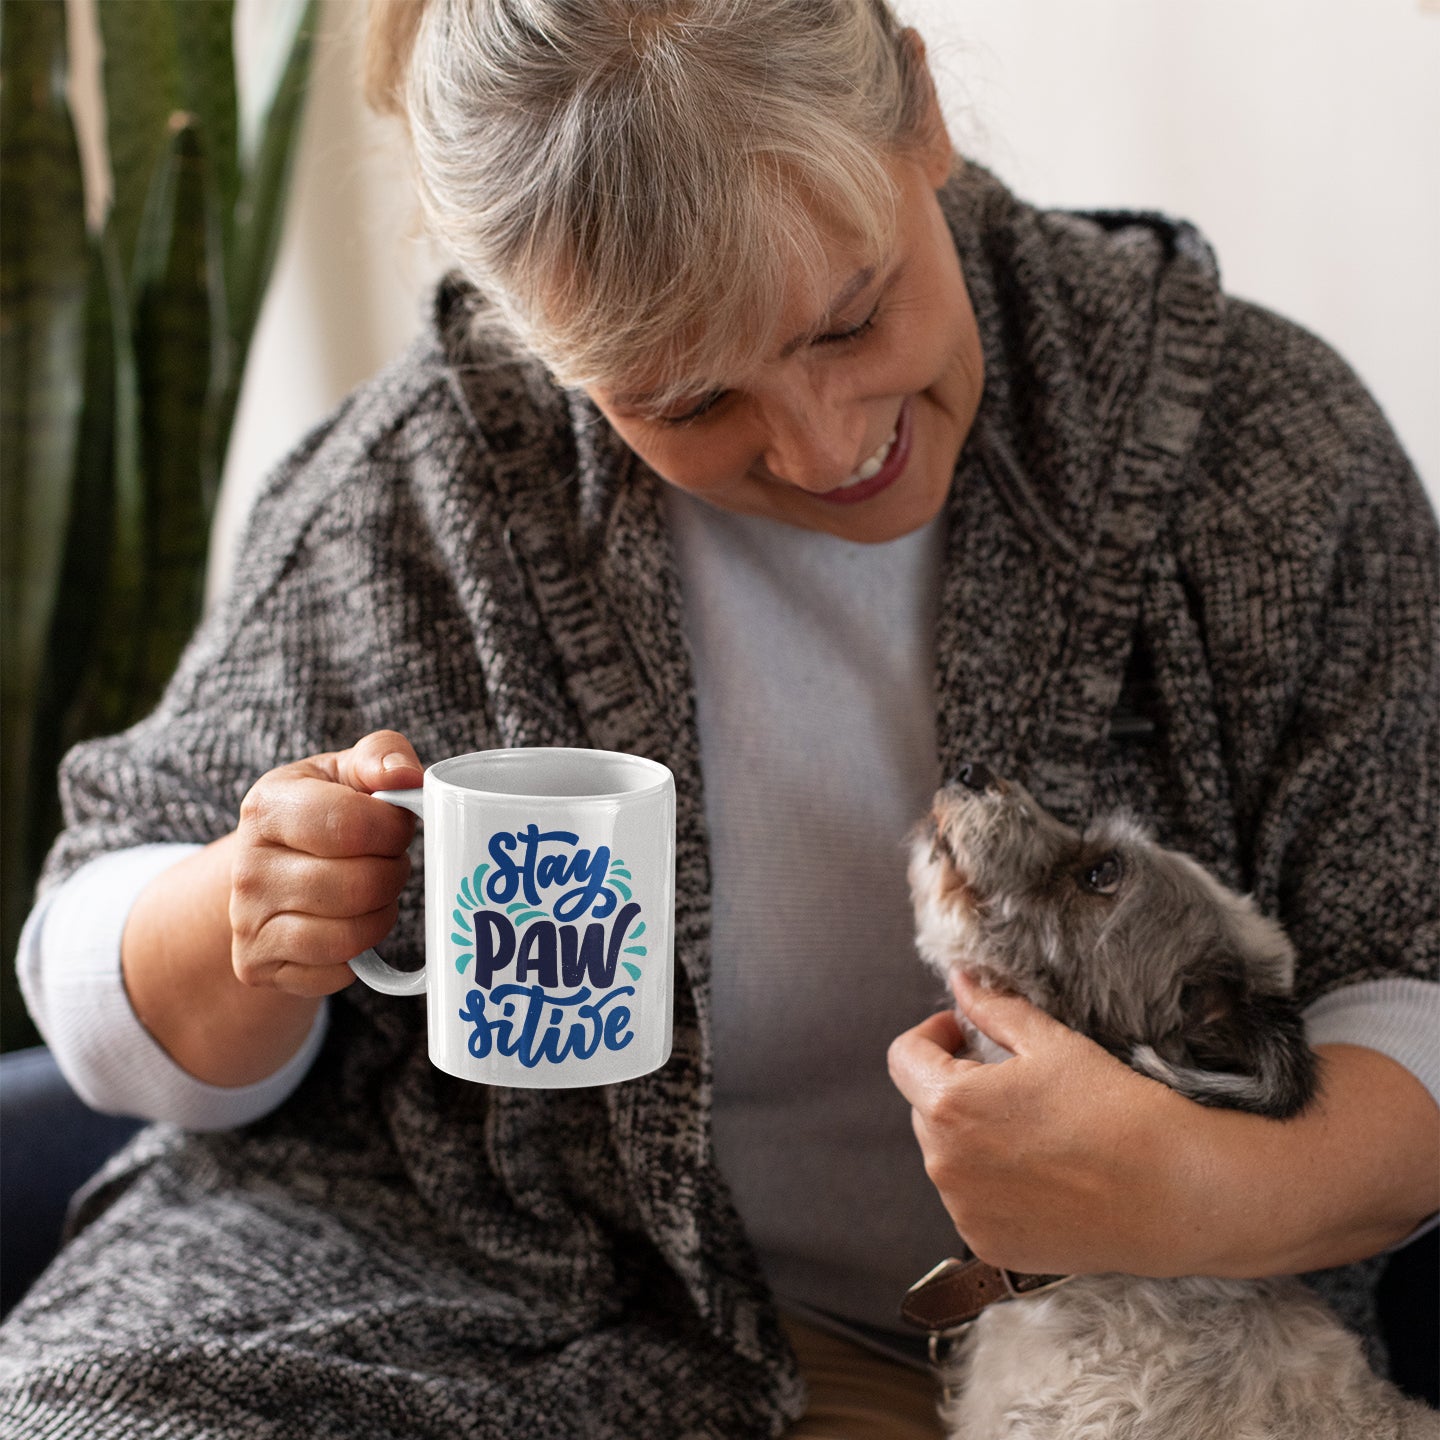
1347	1178
1197	1217
1232	1223
176	966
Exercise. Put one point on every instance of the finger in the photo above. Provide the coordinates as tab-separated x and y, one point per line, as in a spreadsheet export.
925	1056
941	1030
309	942
334	888
312	981
383	760
1009	1020
301	807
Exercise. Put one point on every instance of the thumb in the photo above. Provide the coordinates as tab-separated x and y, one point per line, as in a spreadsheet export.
383	760
1009	1020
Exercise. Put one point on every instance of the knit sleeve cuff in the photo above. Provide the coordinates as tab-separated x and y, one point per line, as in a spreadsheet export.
69	968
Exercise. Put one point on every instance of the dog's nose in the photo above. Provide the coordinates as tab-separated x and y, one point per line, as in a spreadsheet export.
975	776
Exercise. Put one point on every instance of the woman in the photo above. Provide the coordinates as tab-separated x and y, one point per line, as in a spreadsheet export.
759	438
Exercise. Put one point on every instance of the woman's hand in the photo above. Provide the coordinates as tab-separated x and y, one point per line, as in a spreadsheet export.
318	866
1064	1160
1052	1161
227	954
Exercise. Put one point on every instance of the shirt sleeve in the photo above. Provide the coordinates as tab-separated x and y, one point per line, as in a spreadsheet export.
69	969
1398	1017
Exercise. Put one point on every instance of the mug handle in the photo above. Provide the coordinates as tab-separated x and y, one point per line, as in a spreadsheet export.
368	965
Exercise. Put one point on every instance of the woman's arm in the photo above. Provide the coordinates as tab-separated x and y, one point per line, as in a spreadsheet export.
1357	1172
175	958
68	964
227	955
1065	1160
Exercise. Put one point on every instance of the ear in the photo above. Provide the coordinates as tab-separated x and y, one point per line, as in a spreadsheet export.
933	148
1236	1049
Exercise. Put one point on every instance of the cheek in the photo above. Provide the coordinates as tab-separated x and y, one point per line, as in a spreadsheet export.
704	461
945	935
704	464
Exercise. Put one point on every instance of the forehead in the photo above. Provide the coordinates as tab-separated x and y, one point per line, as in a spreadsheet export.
706	321
774	329
754	320
1117	831
1047	846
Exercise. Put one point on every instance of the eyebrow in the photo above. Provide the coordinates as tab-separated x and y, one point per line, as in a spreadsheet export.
842	297
857	283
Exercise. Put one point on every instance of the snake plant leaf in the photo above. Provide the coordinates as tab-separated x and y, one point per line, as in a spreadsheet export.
173	358
42	296
42	306
44	262
143	89
103	531
260	212
174	152
159	510
205	51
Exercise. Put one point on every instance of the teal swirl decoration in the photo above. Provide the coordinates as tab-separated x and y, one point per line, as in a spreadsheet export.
618	875
467	898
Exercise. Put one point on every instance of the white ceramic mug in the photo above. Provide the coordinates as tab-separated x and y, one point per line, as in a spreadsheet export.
549	916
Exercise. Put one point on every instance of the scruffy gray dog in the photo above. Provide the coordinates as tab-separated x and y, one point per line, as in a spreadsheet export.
1141	949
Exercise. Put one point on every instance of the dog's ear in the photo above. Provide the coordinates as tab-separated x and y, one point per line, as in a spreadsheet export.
1237	1049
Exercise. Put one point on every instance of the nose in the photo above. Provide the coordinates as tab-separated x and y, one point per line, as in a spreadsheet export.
816	442
974	775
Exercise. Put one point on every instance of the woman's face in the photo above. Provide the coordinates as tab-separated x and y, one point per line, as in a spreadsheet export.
853	425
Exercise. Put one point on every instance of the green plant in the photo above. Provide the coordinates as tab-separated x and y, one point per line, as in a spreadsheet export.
121	354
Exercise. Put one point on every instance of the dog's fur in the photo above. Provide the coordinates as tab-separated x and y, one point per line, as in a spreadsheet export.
1144	951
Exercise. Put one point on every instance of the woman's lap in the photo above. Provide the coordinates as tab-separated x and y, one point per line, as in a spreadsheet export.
233	1312
856	1394
192	1307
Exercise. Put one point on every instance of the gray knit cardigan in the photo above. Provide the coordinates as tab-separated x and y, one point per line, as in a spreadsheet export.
1188	568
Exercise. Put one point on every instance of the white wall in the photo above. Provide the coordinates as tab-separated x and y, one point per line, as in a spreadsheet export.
351	278
1303	136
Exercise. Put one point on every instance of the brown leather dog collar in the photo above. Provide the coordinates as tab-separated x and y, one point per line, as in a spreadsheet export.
955	1292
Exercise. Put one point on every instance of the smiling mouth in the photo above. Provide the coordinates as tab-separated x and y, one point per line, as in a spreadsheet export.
881	470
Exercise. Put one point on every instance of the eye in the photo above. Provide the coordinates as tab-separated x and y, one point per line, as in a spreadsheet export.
1104	876
838	337
701	408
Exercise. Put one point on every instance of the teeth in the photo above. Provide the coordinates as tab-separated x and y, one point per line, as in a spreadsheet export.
871	467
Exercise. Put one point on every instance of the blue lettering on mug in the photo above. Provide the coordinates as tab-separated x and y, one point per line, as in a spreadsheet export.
511	1021
589	955
559	1000
524	867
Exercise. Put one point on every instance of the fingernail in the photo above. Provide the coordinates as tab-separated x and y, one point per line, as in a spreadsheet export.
397	761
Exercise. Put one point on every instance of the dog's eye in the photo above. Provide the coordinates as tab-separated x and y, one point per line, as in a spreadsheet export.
1103	878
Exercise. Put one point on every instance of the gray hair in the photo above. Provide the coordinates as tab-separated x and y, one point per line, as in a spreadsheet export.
633	185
